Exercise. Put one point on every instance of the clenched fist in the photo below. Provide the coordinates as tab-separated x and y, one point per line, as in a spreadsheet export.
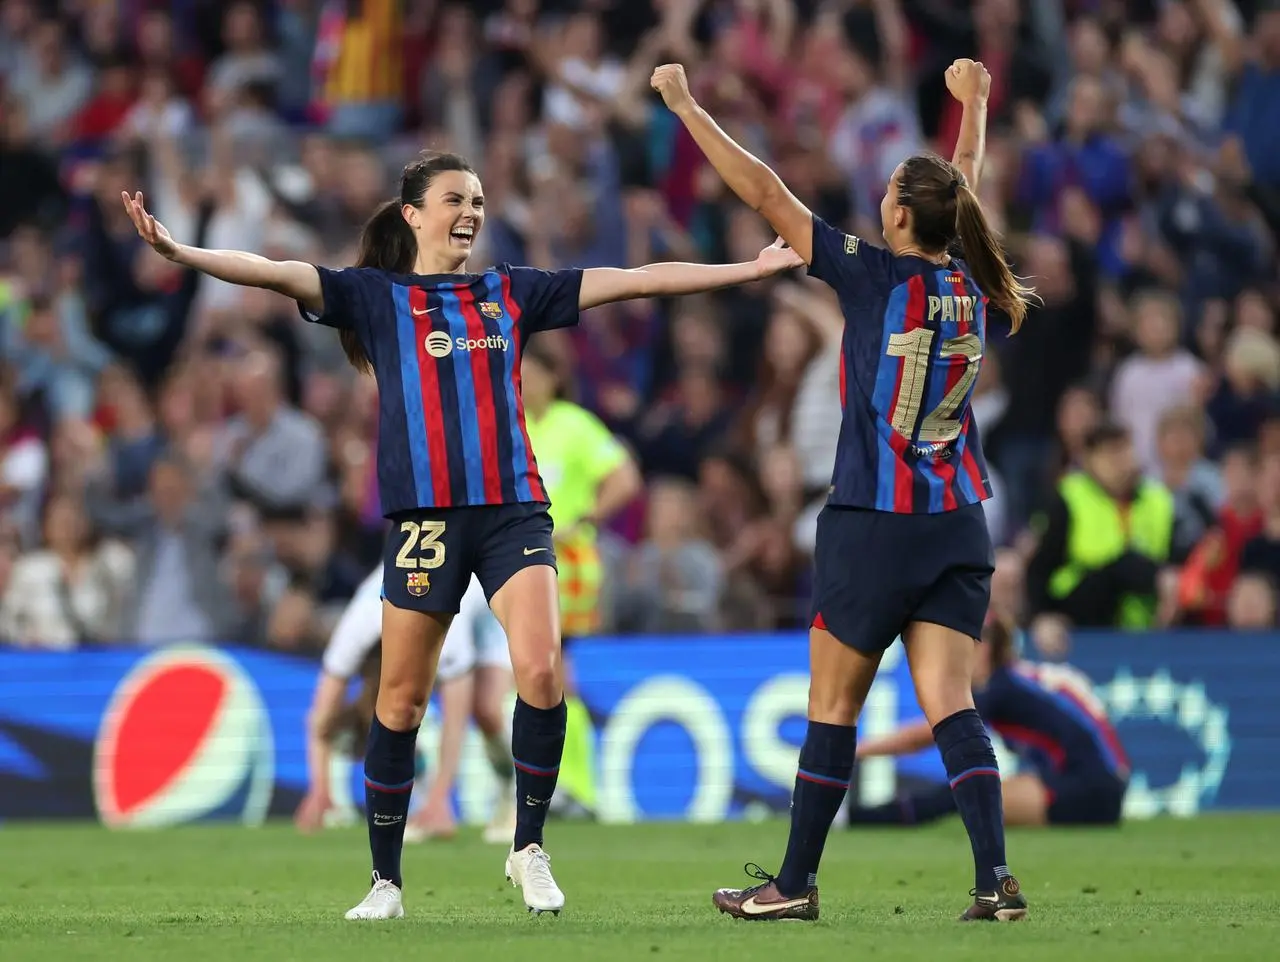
968	80
670	81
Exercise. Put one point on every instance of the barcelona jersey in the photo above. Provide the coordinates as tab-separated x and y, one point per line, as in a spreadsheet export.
1049	715
445	349
913	342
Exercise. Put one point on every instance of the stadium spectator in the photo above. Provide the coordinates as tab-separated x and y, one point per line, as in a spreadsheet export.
71	591
1252	604
1134	165
672	581
178	592
1103	542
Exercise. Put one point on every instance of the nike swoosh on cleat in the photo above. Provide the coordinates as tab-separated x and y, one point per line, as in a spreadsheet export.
529	551
752	907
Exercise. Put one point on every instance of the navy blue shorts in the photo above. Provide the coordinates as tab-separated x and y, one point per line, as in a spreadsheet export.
1085	798
431	554
877	571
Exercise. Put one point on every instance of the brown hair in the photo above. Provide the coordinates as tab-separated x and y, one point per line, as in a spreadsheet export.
944	210
387	242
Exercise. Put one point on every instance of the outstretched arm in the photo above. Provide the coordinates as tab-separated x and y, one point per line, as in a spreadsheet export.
294	279
970	83
747	176
325	706
603	285
911	738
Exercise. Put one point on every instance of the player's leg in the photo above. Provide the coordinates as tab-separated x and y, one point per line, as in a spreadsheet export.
856	616
494	685
424	576
492	713
411	642
454	682
435	819
918	808
941	660
1026	800
840	677
517	567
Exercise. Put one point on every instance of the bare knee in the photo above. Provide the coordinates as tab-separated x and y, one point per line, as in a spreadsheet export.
833	705
942	697
489	717
538	670
401	707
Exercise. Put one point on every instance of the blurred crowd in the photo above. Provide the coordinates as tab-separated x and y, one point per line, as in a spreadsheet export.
182	459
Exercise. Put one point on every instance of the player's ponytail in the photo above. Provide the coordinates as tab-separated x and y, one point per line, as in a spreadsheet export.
386	244
985	257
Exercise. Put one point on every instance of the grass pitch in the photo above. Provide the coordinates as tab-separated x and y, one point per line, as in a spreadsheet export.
1166	890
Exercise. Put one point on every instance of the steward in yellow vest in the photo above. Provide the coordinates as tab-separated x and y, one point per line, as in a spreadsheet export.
1103	541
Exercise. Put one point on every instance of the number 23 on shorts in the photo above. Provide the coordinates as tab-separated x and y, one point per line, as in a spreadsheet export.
421	551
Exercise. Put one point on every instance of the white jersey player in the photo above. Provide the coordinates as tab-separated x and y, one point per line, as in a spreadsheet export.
474	650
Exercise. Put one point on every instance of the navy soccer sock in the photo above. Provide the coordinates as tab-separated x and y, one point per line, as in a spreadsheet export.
975	783
537	744
388	784
909	810
822	781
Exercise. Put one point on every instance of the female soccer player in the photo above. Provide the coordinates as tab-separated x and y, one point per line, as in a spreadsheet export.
902	544
1050	716
351	648
456	472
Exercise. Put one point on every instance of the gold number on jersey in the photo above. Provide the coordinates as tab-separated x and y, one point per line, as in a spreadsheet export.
940	424
424	540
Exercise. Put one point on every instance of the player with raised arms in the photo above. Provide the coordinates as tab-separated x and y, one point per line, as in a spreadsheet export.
1074	769
456	473
902	546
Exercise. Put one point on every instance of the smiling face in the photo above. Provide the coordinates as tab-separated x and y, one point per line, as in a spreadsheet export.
448	220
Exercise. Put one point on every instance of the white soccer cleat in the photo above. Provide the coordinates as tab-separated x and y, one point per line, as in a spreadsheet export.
502	827
530	868
382	902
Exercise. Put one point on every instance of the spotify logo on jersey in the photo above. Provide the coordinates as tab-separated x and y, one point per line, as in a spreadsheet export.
439	344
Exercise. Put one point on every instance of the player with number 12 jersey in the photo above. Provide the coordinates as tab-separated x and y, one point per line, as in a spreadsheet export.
903	548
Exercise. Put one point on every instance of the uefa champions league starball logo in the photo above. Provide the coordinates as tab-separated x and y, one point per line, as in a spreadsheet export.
1159	698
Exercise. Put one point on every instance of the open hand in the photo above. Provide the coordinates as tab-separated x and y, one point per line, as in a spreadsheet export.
968	80
149	229
310	814
776	258
670	81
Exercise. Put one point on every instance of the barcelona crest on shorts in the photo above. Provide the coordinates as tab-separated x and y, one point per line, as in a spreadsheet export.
417	583
491	309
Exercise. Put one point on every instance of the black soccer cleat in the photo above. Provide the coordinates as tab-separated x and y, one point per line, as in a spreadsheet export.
764	903
1006	904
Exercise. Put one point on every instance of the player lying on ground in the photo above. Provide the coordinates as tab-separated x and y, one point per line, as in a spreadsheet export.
1046	713
353	651
456	471
902	546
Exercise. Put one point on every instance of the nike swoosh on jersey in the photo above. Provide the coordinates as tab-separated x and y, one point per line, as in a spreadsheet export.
529	551
418	313
752	907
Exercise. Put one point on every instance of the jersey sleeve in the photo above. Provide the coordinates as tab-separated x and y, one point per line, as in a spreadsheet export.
343	293
546	299
850	265
599	451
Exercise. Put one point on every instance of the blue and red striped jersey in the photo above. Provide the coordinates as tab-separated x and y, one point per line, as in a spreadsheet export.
1049	715
446	352
914	336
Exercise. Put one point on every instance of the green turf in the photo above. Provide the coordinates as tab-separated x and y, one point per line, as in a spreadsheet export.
1166	890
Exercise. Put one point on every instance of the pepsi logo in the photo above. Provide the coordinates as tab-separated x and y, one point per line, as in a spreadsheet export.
185	737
